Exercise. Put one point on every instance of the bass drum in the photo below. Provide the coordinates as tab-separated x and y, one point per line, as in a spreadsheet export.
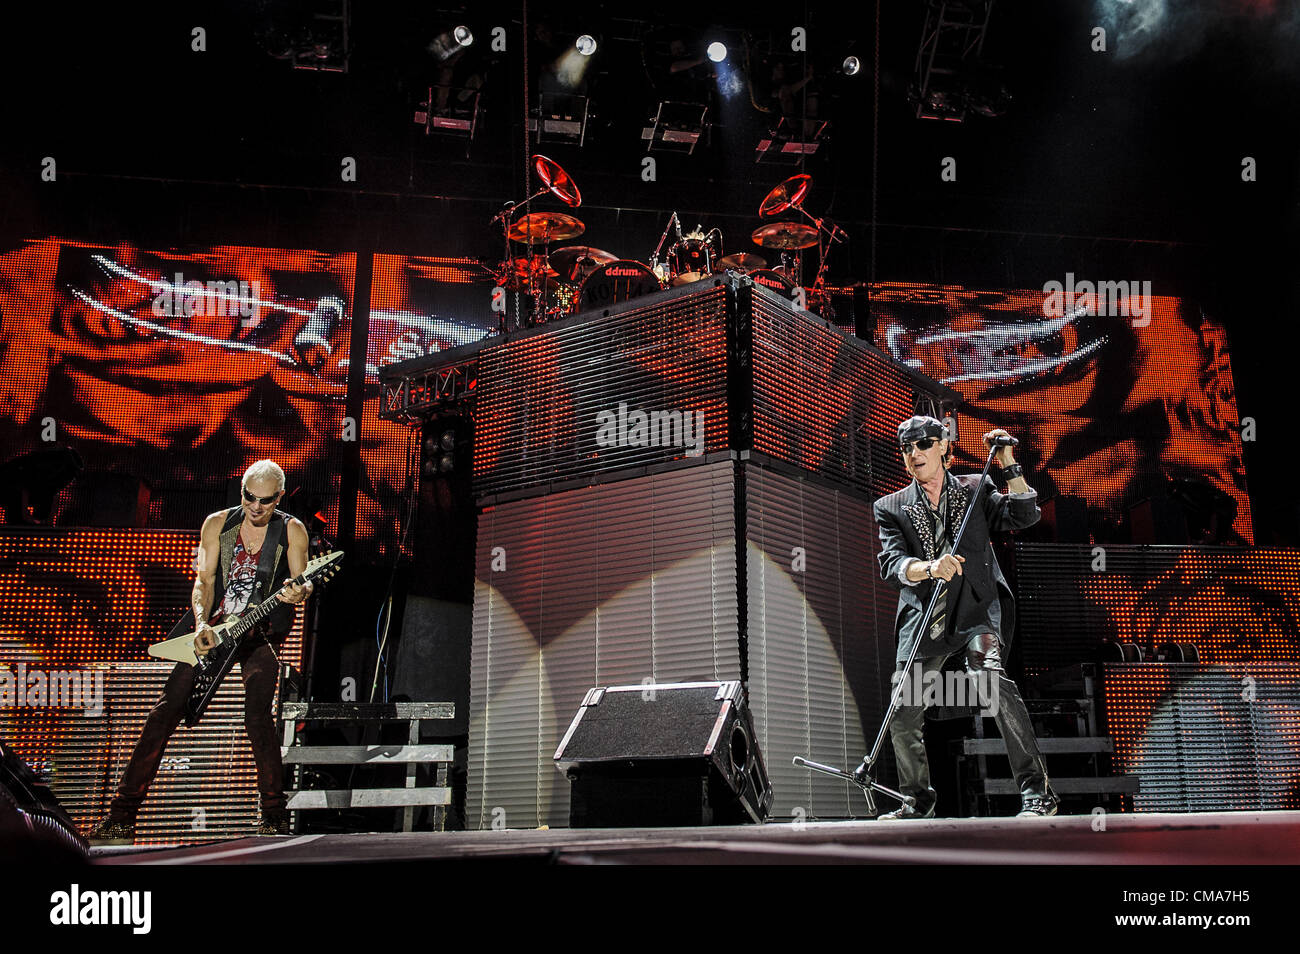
615	283
771	279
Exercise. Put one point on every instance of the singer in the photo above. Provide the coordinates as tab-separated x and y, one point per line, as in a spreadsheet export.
974	618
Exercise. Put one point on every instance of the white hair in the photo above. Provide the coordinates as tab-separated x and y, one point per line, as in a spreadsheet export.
264	470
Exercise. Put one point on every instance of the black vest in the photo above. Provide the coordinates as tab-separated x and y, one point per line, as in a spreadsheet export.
281	621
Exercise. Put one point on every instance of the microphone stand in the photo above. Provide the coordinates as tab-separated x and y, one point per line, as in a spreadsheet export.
654	258
863	776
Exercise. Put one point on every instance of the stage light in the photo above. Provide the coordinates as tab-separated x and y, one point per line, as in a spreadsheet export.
448	440
586	44
446	45
717	51
851	65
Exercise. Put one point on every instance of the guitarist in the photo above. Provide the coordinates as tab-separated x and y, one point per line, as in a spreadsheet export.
245	553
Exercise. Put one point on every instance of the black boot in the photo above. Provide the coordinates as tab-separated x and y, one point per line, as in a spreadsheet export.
113	831
273	823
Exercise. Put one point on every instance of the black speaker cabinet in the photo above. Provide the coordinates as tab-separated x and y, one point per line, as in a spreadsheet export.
675	754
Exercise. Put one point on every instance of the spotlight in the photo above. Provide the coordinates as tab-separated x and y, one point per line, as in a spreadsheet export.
586	44
446	45
448	440
851	65
717	51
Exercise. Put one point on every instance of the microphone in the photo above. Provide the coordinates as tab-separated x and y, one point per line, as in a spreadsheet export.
500	216
1005	441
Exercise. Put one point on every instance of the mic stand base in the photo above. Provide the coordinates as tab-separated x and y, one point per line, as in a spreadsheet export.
864	781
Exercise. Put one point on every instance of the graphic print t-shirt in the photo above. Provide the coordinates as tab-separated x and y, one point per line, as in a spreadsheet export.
243	574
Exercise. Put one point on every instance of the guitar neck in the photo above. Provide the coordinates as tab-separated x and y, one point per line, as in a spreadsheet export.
261	611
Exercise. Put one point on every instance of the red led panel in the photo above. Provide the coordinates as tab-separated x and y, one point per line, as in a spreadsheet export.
573	400
1206	738
1235	604
78	608
827	403
1107	407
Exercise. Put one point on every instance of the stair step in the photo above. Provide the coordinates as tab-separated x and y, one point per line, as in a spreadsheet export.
368	712
367	798
365	754
1111	785
1048	746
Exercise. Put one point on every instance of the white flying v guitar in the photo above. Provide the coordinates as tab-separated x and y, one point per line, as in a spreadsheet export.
213	666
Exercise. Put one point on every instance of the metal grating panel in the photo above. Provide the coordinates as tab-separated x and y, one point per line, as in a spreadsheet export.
620	583
1207	738
819	657
1235	604
541	396
206	786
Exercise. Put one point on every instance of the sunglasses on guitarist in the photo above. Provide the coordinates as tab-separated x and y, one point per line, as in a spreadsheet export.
264	501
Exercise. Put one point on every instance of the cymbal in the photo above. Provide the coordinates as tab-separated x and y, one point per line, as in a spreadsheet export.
786	235
546	226
573	263
741	262
789	194
557	180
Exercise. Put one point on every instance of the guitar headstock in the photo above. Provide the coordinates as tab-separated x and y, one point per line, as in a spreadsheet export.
323	567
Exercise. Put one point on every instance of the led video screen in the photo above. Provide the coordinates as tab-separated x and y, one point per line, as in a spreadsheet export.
1114	400
176	369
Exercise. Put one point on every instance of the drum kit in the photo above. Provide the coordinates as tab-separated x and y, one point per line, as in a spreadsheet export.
550	283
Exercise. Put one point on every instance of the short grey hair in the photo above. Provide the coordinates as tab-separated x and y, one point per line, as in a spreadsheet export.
264	470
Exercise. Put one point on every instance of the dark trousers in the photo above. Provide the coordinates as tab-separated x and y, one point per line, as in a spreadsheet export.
259	669
983	656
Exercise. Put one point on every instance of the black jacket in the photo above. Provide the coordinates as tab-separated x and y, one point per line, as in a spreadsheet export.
904	525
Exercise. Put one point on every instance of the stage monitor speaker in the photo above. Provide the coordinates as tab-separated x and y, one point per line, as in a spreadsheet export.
32	822
676	754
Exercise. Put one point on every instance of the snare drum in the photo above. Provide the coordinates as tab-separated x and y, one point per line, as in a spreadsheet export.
616	282
691	259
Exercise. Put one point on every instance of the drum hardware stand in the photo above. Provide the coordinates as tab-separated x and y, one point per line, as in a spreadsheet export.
863	776
556	181
654	256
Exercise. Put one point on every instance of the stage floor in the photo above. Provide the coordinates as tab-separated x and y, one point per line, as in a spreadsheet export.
1211	838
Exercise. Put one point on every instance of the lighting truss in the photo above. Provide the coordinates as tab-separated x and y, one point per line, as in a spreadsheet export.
675	127
951	43
417	396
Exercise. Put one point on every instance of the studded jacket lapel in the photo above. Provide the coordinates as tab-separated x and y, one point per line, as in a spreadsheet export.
958	501
918	513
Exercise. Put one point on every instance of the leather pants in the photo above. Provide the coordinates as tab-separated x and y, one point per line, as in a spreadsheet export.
984	661
260	671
